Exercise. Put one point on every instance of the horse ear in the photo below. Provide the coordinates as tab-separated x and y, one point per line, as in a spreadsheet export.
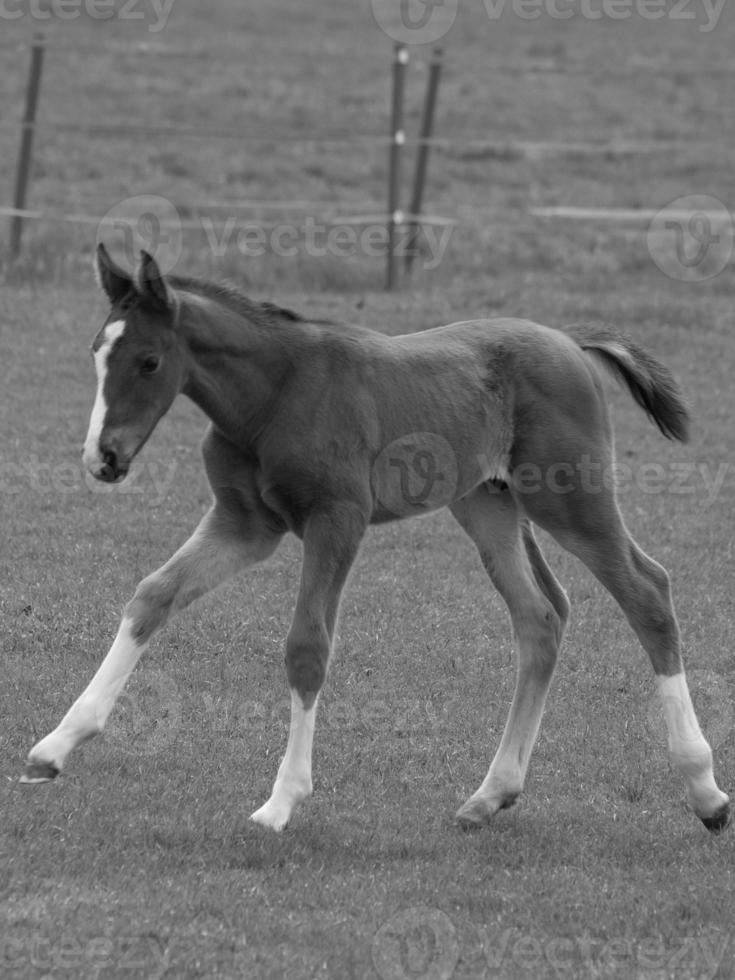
150	284
116	282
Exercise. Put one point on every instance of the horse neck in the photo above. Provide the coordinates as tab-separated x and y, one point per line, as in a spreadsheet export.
236	366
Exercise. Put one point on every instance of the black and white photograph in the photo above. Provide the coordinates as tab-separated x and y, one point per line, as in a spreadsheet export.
367	468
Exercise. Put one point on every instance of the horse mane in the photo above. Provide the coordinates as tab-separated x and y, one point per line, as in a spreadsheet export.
233	297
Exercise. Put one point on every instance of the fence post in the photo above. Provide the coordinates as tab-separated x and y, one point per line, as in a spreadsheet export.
422	158
398	138
26	142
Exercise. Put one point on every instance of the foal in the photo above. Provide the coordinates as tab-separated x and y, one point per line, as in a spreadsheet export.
322	430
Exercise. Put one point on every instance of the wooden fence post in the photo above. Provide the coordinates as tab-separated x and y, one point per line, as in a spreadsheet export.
398	138
22	174
422	158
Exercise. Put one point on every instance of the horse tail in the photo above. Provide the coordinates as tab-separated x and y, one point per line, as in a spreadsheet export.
650	383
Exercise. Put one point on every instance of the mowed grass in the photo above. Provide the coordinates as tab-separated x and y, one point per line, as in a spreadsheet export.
140	860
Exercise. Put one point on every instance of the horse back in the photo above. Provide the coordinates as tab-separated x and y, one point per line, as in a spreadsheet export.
411	423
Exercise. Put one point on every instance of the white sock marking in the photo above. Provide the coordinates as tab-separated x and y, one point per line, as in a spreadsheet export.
688	747
293	782
92	456
88	714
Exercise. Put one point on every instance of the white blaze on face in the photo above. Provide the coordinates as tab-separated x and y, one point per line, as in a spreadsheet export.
92	456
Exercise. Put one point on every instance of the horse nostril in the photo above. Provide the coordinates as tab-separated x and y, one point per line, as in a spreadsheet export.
108	470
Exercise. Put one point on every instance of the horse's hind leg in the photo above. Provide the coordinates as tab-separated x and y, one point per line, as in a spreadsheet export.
539	610
224	543
590	526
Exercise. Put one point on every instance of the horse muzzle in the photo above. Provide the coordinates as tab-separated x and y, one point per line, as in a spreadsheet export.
112	470
106	465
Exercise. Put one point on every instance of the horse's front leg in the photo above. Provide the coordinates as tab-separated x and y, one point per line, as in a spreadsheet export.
220	547
331	542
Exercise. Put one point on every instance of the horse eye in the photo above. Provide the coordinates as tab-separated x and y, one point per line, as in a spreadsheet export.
151	364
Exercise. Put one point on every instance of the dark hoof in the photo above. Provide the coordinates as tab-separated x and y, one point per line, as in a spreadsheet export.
473	814
468	824
478	811
719	819
39	772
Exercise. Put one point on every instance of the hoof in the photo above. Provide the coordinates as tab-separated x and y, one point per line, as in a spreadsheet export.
719	819
477	812
271	819
474	814
39	772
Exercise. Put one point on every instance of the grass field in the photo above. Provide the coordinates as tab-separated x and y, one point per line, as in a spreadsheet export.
140	860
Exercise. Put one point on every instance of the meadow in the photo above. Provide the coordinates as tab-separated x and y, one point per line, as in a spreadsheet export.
139	861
